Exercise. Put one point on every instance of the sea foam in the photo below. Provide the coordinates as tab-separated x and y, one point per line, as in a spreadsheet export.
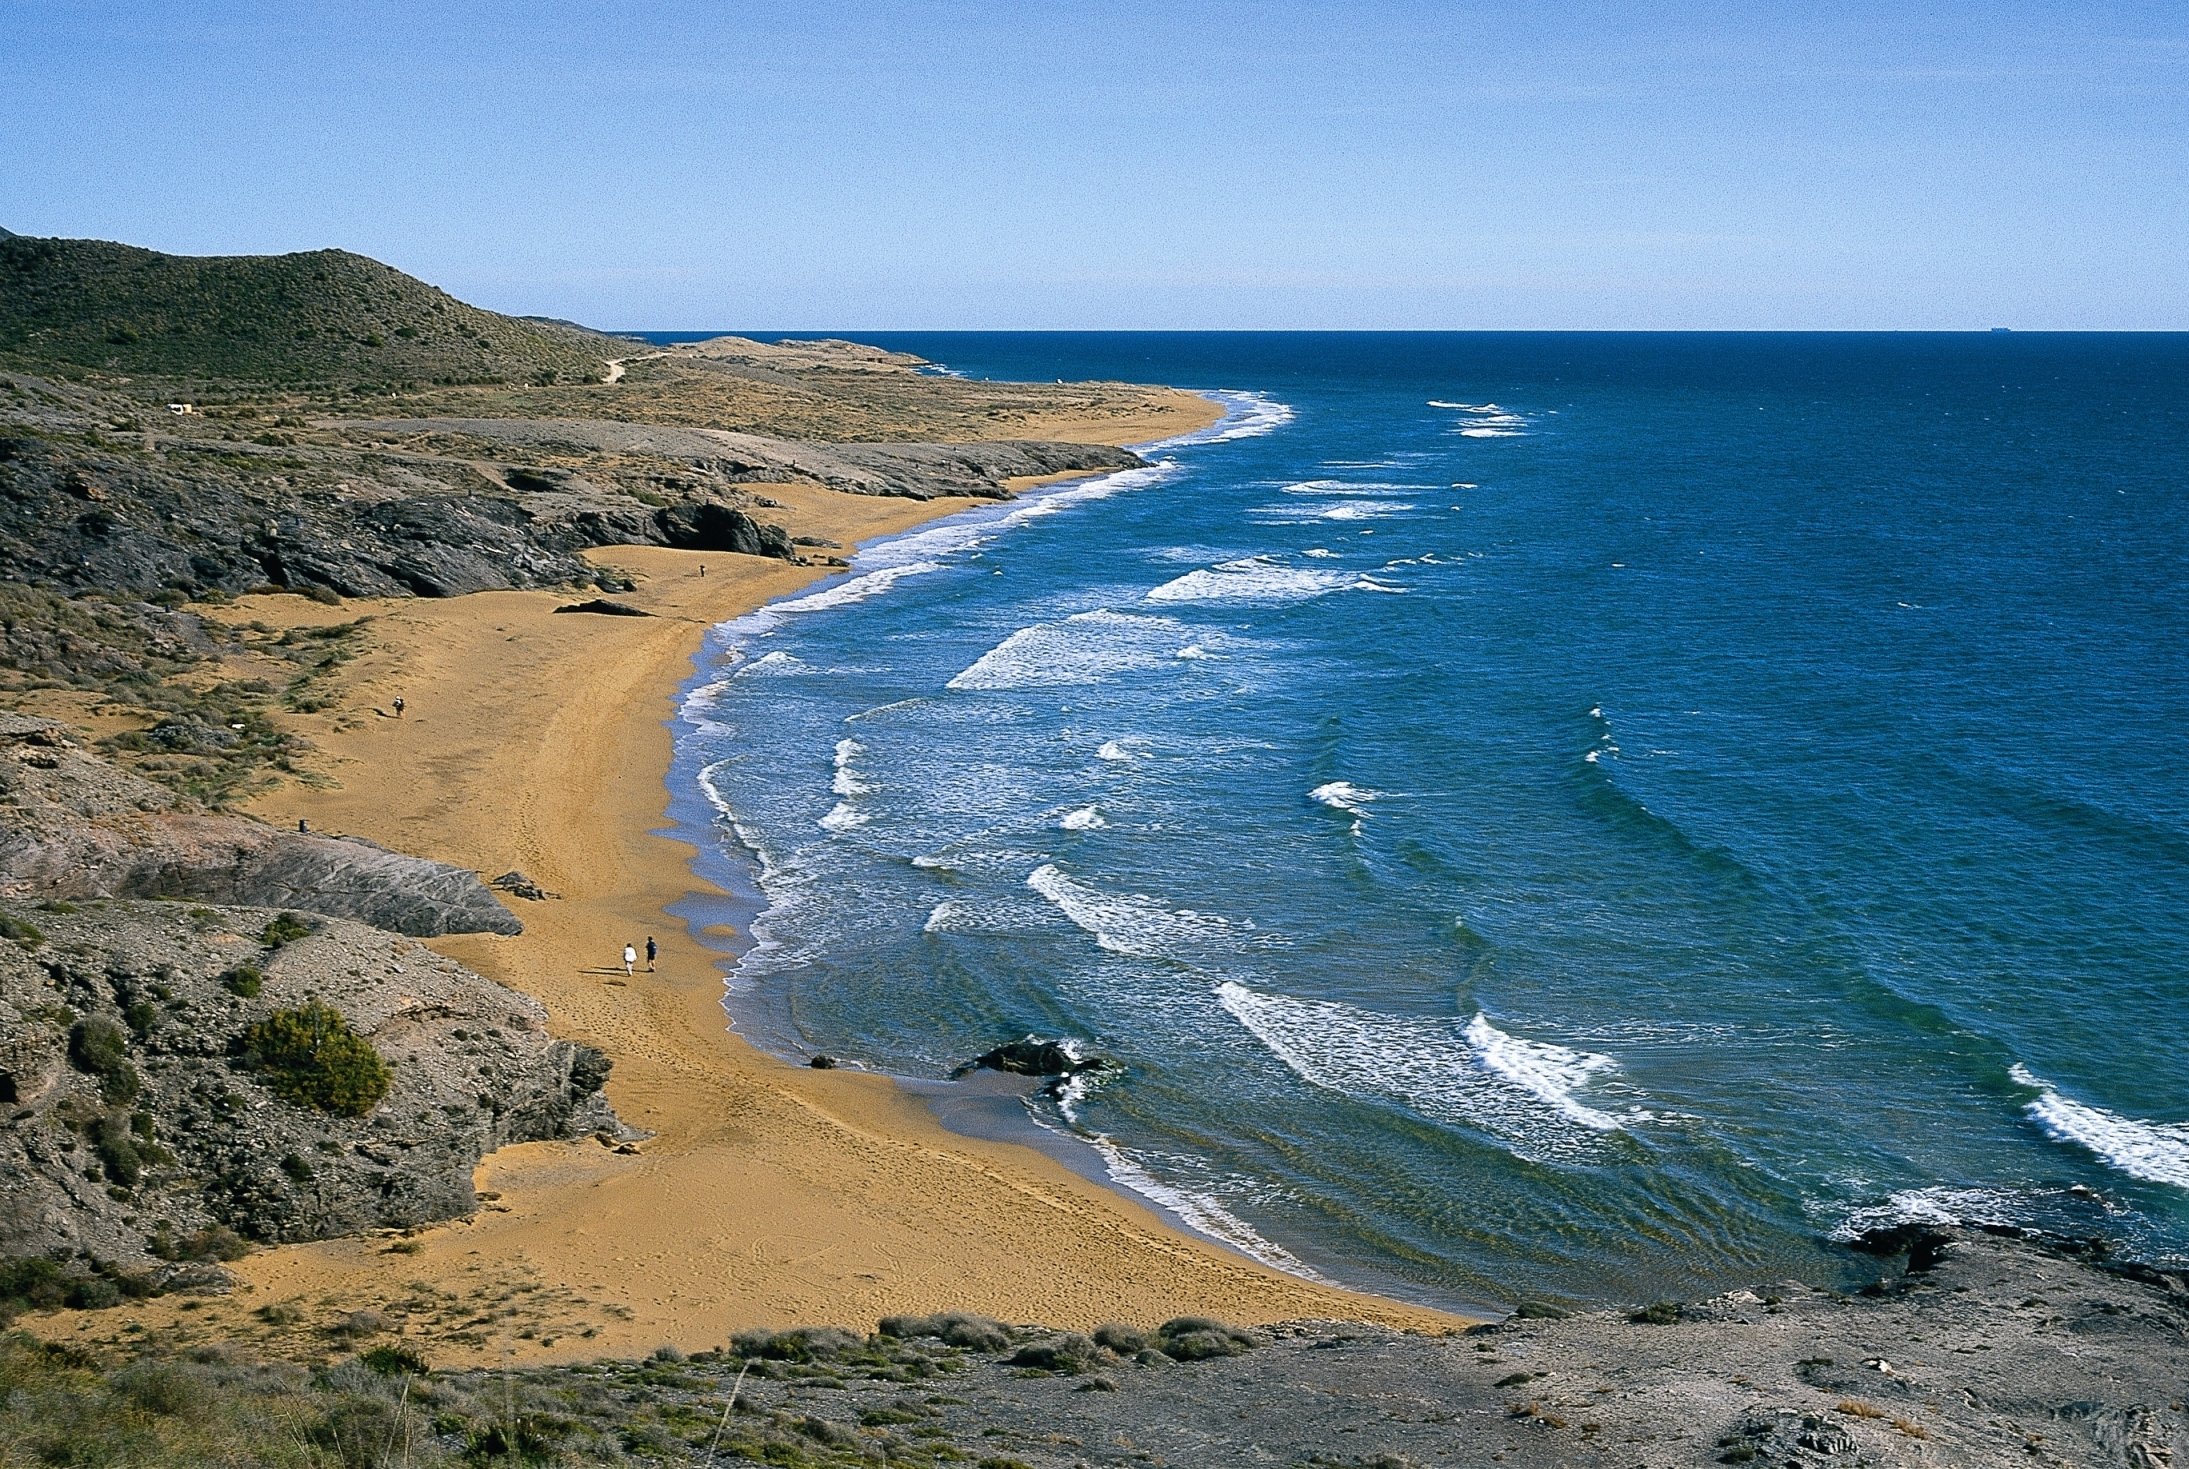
2157	1152
1485	420
1130	923
1247	415
1343	796
1254	579
1524	1094
1084	648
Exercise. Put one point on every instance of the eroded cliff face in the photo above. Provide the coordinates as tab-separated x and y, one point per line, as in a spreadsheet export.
73	826
134	1117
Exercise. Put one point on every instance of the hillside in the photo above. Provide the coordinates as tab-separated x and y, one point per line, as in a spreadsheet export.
324	317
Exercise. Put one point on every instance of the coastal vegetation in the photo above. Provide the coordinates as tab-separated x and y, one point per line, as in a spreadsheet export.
311	1055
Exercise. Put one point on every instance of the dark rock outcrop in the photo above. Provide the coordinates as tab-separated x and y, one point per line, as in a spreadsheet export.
73	826
603	607
237	516
133	1124
1033	1056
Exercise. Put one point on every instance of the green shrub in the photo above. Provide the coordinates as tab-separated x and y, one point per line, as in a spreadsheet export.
94	1293
98	1047
23	933
245	980
286	929
1197	1338
311	1056
33	1284
1123	1340
395	1361
117	1149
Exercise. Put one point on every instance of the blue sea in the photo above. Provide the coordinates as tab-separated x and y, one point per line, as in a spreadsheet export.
1581	817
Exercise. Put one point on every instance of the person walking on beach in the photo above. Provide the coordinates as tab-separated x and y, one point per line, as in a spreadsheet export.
398	706
650	952
630	958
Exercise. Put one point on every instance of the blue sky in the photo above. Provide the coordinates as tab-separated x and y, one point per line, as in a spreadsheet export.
1097	165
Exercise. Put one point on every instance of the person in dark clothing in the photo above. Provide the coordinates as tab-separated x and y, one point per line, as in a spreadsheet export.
650	952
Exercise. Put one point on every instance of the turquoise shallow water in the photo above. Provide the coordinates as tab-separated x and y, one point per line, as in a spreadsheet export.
1578	816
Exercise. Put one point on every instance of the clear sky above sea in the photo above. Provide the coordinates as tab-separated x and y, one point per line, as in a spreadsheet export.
703	163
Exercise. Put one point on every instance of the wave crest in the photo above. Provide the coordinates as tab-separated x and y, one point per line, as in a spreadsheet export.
2156	1152
1130	923
1524	1094
1255	579
1084	648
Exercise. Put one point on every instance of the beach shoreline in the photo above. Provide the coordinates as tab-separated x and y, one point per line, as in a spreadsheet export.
768	1194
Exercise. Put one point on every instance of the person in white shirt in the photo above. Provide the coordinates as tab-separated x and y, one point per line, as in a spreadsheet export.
630	958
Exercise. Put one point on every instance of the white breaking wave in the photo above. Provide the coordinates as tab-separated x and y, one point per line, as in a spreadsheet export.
989	916
844	816
1120	751
1523	1093
857	589
1936	1206
773	665
886	563
1247	415
1343	796
2157	1152
970	530
1198	1211
1485	420
1082	649
1255	579
1129	923
846	782
1553	1073
1364	510
1320	553
1086	818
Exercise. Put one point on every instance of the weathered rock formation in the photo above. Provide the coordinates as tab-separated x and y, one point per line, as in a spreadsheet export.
132	1121
73	826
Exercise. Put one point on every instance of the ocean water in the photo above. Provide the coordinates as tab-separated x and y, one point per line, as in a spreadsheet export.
1584	817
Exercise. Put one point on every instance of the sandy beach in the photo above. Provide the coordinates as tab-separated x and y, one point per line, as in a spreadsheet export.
768	1194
